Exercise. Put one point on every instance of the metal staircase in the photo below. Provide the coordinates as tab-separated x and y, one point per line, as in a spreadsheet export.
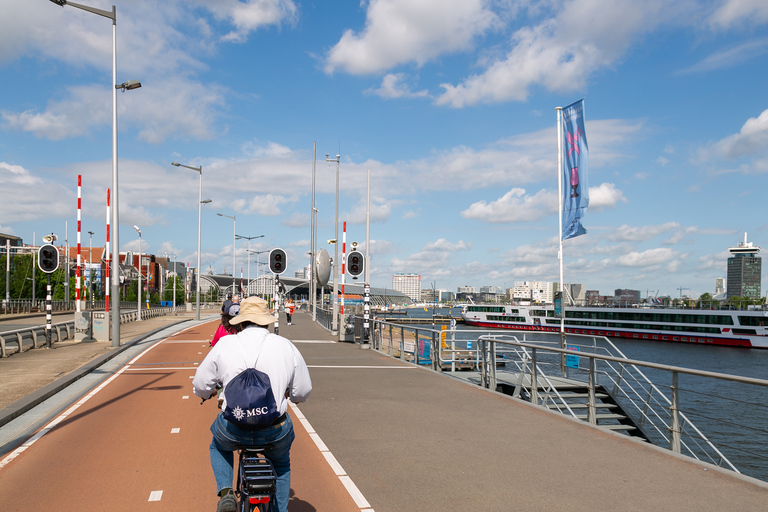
624	399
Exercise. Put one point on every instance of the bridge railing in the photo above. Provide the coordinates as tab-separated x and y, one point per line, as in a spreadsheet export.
734	417
21	340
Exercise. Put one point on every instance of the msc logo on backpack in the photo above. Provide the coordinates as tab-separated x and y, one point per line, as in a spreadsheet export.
250	401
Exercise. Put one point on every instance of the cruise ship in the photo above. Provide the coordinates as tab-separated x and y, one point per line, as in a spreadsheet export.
730	328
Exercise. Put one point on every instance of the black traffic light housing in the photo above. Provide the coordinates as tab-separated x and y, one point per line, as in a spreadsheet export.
48	258
355	263
277	261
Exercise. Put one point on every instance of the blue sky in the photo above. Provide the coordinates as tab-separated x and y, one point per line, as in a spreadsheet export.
449	103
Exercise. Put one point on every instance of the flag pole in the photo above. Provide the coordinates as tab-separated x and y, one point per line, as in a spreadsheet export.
560	230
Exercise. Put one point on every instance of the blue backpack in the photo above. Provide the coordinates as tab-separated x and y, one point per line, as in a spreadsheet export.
250	401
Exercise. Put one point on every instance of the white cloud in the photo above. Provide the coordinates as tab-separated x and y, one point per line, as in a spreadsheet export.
648	258
402	31
729	57
251	15
605	195
641	233
393	86
737	12
517	206
558	53
514	206
752	138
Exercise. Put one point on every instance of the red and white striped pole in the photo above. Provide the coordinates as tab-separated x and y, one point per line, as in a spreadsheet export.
186	284
343	264
241	282
77	272
107	260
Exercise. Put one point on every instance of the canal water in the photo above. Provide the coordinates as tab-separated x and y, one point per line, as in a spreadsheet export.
733	416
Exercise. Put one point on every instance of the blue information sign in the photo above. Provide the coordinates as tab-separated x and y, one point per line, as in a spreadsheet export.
572	361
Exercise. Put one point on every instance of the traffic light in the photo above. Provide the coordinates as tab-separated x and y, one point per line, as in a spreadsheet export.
355	263
277	261
48	258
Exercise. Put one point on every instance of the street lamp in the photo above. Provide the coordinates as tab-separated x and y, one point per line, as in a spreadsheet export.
234	248
199	215
133	84
138	302
335	321
249	238
257	264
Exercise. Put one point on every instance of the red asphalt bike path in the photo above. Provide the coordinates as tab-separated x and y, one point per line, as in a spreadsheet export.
140	442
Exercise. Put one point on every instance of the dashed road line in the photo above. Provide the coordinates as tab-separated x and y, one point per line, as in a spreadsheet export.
345	480
155	496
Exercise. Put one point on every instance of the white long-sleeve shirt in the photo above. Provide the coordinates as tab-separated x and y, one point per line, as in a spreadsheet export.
279	359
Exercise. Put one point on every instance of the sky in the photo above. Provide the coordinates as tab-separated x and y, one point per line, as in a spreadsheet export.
449	103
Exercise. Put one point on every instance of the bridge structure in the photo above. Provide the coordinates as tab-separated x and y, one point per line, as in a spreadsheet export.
215	286
377	434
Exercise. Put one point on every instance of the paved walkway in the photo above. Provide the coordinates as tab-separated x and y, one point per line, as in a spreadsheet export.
414	440
25	373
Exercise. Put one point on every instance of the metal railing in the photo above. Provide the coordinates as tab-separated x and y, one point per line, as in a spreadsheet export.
535	369
21	340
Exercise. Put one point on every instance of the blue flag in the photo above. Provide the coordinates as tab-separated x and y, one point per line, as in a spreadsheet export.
575	163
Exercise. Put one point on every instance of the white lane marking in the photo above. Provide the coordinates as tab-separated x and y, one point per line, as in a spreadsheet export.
155	495
185	397
175	430
334	464
353	491
32	440
343	366
18	451
345	480
318	442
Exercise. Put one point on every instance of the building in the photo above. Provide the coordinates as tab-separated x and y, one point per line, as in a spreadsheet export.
719	285
408	284
15	241
534	291
744	271
627	296
578	293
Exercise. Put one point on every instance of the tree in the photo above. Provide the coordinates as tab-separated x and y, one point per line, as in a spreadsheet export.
178	282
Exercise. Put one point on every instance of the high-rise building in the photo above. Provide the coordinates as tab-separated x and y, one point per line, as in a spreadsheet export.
744	271
719	285
536	291
409	284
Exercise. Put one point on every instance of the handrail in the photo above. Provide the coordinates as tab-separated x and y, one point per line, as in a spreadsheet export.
661	414
37	333
678	418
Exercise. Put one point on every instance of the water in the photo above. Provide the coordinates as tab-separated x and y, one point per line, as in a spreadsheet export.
733	416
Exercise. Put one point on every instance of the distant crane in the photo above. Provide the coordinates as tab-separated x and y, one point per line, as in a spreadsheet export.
681	291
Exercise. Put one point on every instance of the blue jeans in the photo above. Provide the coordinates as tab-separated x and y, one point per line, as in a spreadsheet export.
226	438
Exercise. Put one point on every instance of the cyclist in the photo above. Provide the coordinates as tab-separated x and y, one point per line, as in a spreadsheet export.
289	378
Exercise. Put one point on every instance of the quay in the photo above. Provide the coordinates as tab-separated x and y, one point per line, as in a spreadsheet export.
377	434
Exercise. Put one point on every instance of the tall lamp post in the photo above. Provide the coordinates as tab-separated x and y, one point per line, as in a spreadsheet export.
138	302
257	253
249	238
199	216
133	84
234	247
335	320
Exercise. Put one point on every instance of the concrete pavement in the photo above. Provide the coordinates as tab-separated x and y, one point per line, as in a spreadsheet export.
414	440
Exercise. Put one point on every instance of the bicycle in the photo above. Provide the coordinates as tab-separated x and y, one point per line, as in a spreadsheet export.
256	480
